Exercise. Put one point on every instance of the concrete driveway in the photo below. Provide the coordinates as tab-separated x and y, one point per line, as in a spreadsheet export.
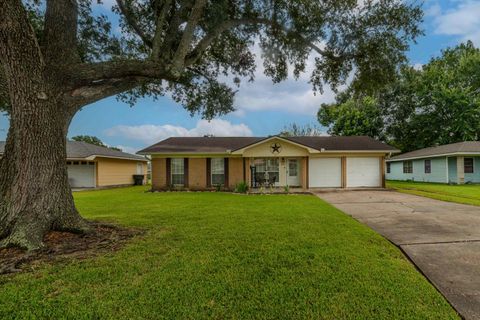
441	238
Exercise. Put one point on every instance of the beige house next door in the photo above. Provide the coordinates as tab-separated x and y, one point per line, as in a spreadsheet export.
293	172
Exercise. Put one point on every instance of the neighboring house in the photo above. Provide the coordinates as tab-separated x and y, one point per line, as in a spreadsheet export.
450	163
91	166
201	163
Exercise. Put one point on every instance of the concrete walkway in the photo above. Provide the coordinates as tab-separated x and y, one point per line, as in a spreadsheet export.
441	238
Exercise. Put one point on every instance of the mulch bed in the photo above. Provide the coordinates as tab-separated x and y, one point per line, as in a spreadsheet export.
63	246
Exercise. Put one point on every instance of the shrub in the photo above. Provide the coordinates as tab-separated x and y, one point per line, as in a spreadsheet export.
287	188
241	187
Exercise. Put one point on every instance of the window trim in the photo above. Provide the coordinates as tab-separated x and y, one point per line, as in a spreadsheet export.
172	173
473	165
411	167
212	170
429	166
389	167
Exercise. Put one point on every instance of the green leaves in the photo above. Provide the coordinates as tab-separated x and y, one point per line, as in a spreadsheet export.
353	117
365	40
439	104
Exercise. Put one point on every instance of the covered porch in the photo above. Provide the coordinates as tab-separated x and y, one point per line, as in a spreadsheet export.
276	172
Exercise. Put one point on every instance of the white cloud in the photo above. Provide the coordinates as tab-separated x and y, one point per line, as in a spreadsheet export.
462	21
293	96
127	149
149	133
418	66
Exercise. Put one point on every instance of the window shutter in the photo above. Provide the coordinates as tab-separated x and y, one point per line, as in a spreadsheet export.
185	172
225	172
209	172
168	172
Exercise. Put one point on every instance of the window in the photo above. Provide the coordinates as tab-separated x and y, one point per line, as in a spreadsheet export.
177	168
139	168
428	166
388	167
407	167
218	171
267	170
468	165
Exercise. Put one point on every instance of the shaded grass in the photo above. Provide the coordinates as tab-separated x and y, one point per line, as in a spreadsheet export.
466	194
218	255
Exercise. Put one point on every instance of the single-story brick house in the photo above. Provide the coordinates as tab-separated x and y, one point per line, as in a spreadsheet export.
450	163
201	163
91	166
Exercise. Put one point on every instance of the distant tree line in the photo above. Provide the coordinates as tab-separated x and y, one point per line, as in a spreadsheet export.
93	140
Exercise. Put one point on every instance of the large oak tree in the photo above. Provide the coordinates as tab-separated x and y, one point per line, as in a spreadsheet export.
58	56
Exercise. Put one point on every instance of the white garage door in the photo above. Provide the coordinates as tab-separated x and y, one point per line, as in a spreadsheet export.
363	172
81	174
324	172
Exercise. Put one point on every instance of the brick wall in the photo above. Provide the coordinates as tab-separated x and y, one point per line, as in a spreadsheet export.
197	173
159	173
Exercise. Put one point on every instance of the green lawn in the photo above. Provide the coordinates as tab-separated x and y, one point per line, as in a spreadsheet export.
467	193
219	255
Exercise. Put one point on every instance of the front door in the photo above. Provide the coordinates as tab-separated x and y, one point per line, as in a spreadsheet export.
293	172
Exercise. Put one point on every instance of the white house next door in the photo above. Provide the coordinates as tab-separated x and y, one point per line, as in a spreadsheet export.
293	172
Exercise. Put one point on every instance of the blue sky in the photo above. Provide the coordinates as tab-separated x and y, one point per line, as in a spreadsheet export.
262	107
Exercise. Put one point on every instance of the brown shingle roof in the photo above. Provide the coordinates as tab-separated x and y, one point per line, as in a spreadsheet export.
459	147
199	144
343	143
223	144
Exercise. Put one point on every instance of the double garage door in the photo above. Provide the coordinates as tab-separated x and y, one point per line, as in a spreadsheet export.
360	172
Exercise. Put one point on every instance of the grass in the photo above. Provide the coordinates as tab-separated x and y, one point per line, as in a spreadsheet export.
466	193
219	255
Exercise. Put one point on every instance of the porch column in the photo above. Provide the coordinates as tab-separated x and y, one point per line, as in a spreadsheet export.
460	170
305	173
248	178
382	172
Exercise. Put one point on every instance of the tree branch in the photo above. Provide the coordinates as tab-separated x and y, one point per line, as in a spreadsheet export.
59	41
187	37
87	74
159	24
97	91
132	22
203	45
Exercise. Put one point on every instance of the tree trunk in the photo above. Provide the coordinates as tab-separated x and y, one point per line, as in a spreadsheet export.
35	196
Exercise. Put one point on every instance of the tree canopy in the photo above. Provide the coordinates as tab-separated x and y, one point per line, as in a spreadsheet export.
185	48
353	117
438	104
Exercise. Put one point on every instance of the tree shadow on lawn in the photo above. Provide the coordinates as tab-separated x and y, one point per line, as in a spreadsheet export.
63	246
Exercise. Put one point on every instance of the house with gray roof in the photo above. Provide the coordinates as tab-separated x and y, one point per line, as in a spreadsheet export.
91	166
202	163
451	163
